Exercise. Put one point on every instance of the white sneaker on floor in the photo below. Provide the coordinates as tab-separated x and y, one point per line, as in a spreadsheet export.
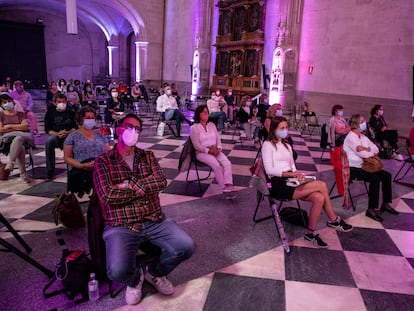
133	295
23	177
397	156
228	189
161	283
9	166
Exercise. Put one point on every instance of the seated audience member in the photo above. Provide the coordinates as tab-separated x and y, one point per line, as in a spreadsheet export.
61	86
357	147
73	98
207	144
88	95
279	166
136	91
229	99
247	119
80	149
59	122
215	113
262	108
167	105
338	128
24	99
50	95
222	103
383	132
274	110
127	181
114	107
14	133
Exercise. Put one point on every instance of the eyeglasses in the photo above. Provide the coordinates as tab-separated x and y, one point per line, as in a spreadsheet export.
129	126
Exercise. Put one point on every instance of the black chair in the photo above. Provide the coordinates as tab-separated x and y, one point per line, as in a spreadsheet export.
311	124
97	249
169	123
349	192
262	188
409	162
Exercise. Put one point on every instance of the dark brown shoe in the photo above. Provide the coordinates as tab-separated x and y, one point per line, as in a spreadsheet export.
371	213
386	207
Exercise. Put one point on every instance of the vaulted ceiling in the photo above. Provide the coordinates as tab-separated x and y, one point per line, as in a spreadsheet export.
111	16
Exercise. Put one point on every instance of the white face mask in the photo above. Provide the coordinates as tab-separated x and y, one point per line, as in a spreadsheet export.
340	113
213	97
380	112
61	106
248	104
114	94
89	123
279	113
168	92
130	137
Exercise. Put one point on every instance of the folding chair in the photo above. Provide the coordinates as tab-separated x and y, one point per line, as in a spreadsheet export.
168	123
349	192
409	162
311	124
97	246
276	204
324	144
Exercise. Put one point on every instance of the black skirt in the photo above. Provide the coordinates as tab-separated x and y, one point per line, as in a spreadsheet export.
280	190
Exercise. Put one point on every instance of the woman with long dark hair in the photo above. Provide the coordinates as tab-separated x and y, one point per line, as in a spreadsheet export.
279	166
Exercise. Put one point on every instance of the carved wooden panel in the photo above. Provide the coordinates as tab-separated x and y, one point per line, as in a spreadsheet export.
239	43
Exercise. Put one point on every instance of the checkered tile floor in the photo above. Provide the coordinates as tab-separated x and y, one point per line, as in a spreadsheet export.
370	268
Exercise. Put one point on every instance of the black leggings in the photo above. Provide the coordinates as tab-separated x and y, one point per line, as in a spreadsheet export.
389	135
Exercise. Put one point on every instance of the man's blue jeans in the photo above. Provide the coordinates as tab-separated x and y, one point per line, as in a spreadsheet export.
51	143
122	245
221	116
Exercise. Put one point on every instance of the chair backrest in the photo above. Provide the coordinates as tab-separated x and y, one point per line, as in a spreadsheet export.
324	137
186	156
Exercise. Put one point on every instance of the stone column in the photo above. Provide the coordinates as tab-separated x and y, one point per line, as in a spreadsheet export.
141	55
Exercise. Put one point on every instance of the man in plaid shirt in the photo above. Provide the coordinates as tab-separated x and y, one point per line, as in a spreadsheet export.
127	181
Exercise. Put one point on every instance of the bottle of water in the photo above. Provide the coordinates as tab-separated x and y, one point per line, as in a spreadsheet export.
93	288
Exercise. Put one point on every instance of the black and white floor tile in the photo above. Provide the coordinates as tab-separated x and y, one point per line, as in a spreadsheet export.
370	268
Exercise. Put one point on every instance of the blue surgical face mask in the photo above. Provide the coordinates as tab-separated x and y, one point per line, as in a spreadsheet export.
89	123
340	113
363	126
8	106
168	92
380	112
282	133
279	113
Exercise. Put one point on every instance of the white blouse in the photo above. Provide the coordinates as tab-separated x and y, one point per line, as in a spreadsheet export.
277	160
352	141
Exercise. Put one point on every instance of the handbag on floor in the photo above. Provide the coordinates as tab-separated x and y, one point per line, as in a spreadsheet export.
68	210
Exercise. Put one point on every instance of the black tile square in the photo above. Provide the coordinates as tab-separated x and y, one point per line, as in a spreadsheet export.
163	147
409	202
186	188
375	301
240	180
46	189
299	143
41	172
173	155
170	173
244	147
324	161
44	213
241	161
242	293
322	266
303	153
306	167
411	261
369	241
403	221
150	140
315	148
4	195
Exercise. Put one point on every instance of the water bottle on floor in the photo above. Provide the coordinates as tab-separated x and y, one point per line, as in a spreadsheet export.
93	288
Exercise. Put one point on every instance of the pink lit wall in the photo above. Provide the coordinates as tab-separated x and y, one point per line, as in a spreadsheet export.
363	48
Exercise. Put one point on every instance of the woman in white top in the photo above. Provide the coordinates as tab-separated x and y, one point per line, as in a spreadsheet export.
207	144
357	146
279	166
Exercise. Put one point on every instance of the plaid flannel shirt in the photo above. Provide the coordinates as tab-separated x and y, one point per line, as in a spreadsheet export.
129	207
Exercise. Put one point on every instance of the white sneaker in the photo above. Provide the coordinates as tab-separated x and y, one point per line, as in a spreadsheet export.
161	283
228	189
25	178
398	156
133	295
